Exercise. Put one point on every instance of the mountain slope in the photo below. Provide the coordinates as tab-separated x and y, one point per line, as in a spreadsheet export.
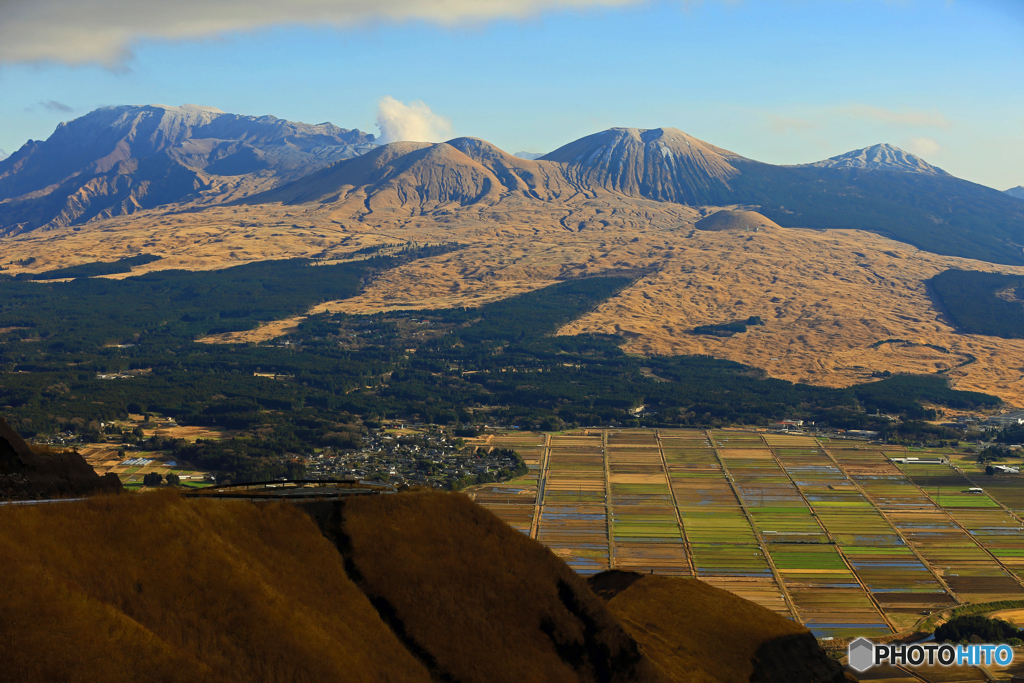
883	157
664	164
428	559
429	587
1017	192
717	637
121	160
205	591
118	160
937	213
26	474
919	204
423	177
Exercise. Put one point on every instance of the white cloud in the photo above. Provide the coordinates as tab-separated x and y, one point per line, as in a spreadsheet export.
103	31
924	147
413	122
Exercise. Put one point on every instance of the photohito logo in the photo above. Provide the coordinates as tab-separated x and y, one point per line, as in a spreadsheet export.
864	654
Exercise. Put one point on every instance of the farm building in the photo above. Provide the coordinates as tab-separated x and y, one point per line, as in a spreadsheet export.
920	461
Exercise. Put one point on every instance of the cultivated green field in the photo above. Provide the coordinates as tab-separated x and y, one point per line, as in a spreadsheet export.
832	534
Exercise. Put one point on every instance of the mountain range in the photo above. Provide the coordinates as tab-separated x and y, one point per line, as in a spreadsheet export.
120	160
881	189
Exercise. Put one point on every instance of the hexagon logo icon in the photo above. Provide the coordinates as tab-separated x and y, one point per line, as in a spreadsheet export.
862	654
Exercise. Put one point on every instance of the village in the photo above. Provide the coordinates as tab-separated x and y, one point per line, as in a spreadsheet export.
421	456
398	454
415	455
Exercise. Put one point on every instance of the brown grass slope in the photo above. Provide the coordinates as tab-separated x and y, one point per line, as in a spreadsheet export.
735	220
428	587
486	603
158	588
697	633
420	177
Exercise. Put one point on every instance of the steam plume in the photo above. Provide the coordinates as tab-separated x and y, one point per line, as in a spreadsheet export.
413	122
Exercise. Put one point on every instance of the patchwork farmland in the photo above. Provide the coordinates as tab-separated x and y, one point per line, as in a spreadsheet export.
836	535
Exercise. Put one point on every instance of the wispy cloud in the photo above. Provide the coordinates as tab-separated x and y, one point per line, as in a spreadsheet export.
413	122
904	117
55	106
103	31
784	124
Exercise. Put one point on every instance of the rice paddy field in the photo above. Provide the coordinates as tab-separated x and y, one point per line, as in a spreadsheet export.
832	534
103	458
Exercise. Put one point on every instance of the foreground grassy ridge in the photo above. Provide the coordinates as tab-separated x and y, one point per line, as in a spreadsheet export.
434	559
695	632
158	588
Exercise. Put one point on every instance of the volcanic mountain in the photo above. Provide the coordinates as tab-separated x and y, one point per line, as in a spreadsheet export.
883	157
419	177
119	160
919	204
664	164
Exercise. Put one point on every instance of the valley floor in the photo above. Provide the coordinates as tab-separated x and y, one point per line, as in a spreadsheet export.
838	305
834	534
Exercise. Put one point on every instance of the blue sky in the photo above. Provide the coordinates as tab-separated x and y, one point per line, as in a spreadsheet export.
782	81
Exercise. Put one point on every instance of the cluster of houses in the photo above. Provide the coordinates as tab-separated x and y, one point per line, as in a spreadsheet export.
429	458
986	424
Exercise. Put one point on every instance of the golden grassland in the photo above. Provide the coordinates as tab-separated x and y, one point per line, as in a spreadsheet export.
427	586
713	640
441	559
158	588
828	297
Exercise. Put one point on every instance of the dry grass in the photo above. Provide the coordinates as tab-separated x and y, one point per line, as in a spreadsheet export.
823	311
695	632
159	588
510	610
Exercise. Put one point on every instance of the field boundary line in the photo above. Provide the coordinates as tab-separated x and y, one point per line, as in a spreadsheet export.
885	516
542	478
753	529
608	512
1009	511
967	531
839	549
675	504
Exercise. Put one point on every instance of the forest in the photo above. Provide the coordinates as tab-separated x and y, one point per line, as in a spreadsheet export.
982	303
87	351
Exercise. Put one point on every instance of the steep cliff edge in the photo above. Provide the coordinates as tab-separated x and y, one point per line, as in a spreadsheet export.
27	475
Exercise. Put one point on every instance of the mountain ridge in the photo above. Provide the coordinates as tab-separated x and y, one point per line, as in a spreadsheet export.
119	160
880	157
131	159
426	587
